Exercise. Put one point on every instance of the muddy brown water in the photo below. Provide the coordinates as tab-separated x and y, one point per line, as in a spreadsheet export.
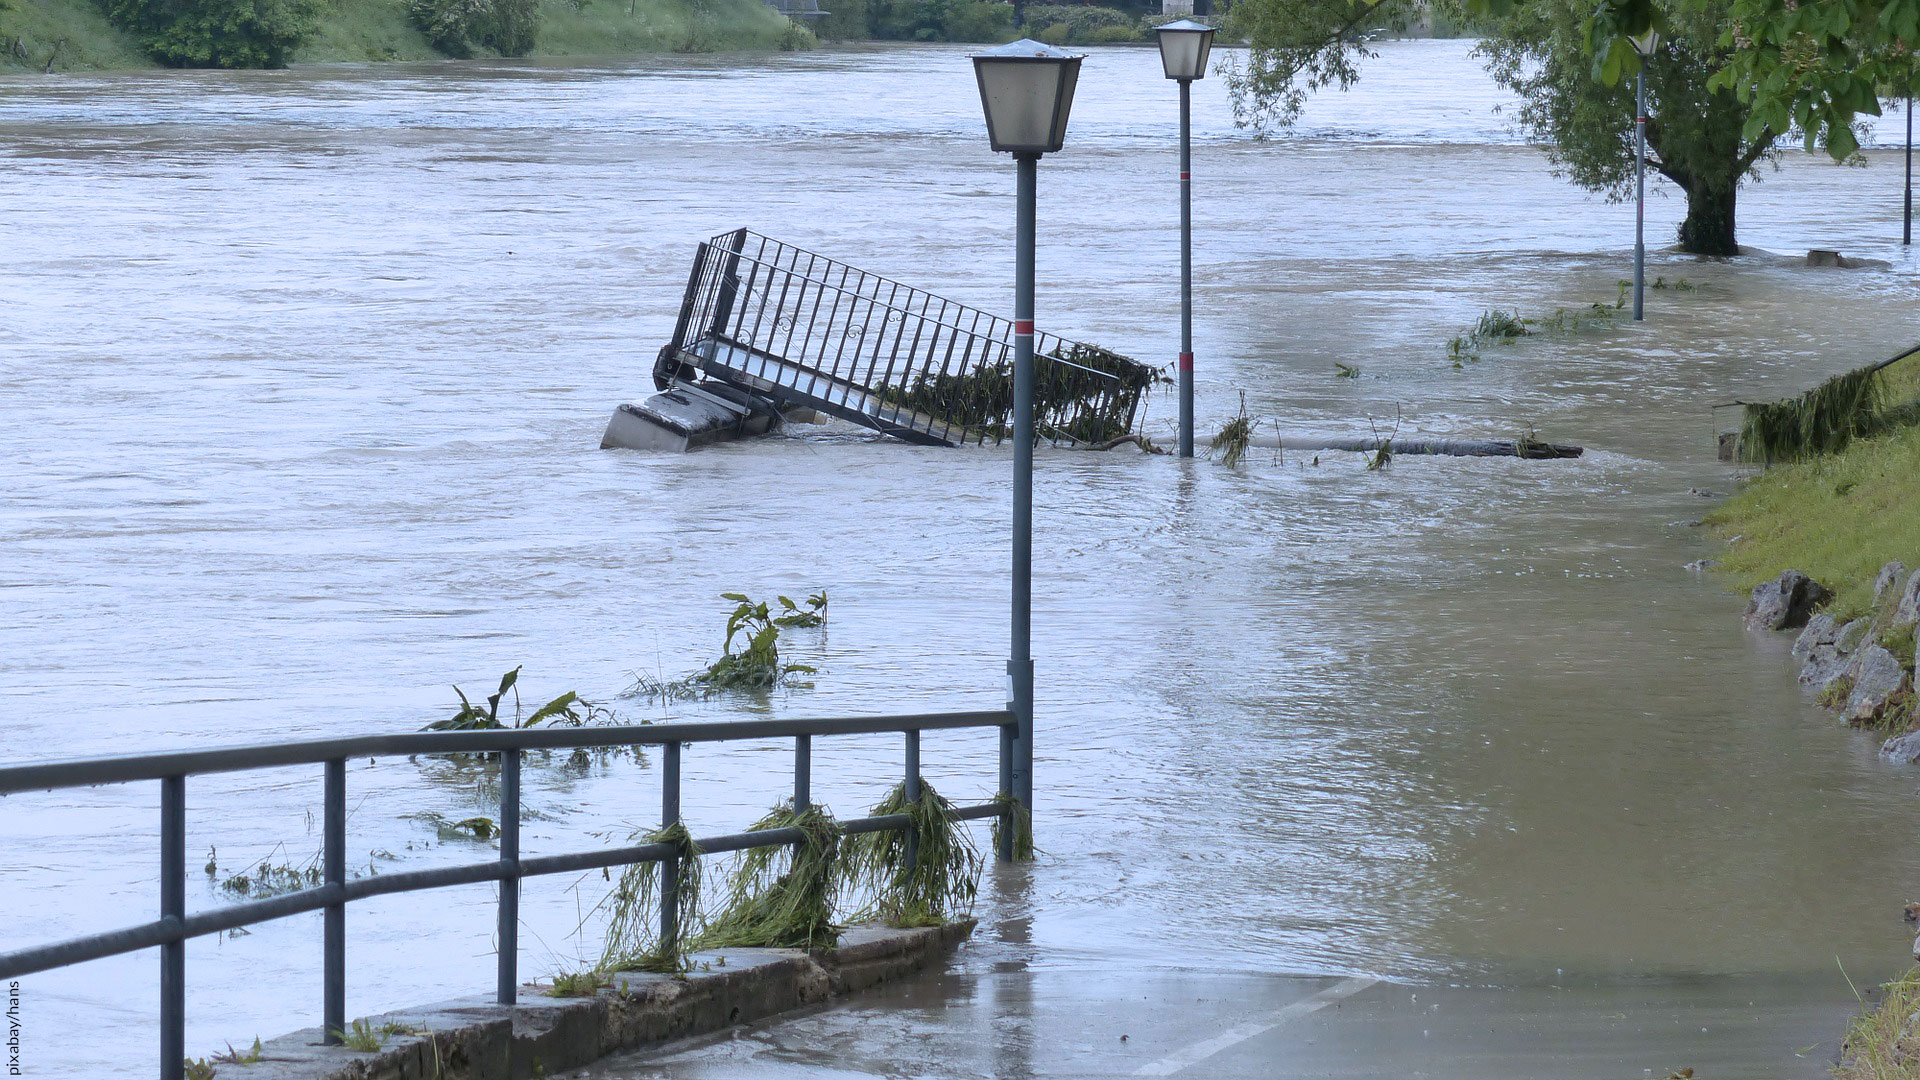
304	374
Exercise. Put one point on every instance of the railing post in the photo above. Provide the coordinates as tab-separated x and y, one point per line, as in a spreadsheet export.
1006	792
729	284
670	870
173	910
802	773
509	977
912	787
333	860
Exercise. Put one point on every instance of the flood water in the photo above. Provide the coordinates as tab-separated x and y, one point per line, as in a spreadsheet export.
304	374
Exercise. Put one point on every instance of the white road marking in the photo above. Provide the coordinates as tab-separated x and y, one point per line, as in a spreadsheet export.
1201	1051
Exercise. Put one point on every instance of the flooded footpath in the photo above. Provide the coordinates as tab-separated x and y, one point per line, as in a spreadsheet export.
304	374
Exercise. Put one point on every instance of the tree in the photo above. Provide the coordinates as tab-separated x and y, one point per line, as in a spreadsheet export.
1295	47
1698	136
218	33
1571	64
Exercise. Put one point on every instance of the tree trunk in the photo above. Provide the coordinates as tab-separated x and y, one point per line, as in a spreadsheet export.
1708	229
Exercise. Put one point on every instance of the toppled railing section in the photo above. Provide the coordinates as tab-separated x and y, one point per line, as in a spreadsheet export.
767	330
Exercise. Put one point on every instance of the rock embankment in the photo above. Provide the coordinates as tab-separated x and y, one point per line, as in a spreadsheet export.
1863	667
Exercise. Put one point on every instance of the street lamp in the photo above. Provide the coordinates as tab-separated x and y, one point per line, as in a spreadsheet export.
1184	46
1644	44
1026	91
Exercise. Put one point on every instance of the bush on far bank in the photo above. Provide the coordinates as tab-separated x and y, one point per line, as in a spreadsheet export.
985	21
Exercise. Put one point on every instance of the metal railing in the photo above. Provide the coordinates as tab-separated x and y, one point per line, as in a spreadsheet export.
802	329
175	927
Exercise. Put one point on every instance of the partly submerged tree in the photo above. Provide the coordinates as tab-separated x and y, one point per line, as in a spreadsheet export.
1295	47
1698	135
1571	65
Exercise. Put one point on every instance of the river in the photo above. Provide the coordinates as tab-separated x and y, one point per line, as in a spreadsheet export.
304	374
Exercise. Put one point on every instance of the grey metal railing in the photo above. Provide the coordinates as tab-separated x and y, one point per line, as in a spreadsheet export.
171	931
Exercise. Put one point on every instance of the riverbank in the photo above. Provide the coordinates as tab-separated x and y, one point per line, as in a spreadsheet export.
75	35
1837	518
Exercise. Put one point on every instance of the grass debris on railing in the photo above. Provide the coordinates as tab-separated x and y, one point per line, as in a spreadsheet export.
1081	393
785	896
941	880
1852	405
633	909
1022	817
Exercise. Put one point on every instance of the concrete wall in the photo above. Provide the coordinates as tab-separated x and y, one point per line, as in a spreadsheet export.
474	1039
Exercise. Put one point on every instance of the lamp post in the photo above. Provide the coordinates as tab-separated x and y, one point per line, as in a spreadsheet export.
1184	46
1026	91
1906	221
1644	44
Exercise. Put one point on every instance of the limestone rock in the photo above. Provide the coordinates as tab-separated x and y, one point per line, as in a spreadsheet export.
1821	630
1904	749
1827	661
1785	603
1908	610
1890	576
1878	677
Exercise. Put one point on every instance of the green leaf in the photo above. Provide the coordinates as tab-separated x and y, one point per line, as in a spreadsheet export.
738	598
558	706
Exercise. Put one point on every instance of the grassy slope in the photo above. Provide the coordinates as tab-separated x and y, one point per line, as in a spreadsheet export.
1837	518
603	27
84	40
1881	1043
363	30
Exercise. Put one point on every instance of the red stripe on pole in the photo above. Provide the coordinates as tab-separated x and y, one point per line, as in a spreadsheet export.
1023	326
1186	361
1186	176
1642	119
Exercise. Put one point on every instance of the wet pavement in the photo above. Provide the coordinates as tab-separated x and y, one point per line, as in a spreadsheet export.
994	1015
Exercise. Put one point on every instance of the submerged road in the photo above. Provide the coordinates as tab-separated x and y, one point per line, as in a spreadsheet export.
306	373
993	1016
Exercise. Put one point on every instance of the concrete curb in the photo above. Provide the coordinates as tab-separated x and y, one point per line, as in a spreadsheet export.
475	1039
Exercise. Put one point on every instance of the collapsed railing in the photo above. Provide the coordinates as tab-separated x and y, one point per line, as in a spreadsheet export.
797	329
174	927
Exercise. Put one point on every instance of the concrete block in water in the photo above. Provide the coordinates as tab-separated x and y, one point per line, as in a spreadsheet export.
683	417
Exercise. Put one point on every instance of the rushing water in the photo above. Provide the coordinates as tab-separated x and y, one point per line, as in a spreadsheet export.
303	375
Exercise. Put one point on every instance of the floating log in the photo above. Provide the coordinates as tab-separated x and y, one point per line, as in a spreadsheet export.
1520	448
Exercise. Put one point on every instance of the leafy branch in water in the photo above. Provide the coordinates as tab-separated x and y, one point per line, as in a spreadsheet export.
633	935
923	876
783	897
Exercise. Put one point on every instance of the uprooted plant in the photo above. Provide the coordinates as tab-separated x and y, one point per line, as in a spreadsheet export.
925	875
568	708
757	667
783	897
633	934
1235	438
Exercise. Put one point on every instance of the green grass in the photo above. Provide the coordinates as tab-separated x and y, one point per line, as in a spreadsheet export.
365	30
1838	518
73	34
604	27
1881	1044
